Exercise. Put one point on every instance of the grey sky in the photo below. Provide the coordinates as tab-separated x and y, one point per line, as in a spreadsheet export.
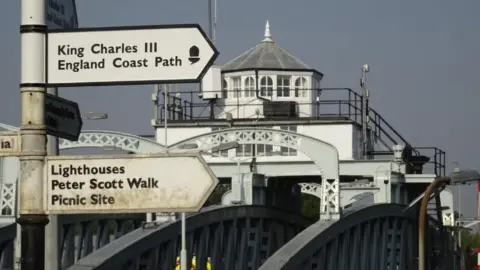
422	54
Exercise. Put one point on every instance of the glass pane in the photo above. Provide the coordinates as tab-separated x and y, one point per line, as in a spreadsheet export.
270	81
239	151
268	150
260	149
247	150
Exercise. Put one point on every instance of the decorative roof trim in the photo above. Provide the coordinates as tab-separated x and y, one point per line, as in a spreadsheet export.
274	69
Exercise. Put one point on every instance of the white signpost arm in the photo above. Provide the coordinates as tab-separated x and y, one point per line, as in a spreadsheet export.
33	134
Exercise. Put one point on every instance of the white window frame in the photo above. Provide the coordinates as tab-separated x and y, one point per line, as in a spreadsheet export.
266	86
249	86
283	90
301	87
237	87
224	88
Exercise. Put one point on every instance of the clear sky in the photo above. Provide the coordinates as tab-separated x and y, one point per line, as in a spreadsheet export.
423	56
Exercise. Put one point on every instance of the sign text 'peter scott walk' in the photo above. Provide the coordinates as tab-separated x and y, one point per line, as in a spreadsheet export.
99	56
130	184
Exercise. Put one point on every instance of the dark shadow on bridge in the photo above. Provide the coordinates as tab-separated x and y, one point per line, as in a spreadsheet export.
235	237
7	237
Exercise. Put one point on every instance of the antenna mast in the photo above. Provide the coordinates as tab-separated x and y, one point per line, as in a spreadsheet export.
214	21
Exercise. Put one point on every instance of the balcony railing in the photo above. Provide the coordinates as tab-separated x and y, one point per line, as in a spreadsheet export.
321	103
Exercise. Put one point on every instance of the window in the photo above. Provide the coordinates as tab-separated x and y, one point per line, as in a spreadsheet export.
301	87
283	86
286	151
224	89
237	86
244	150
266	86
249	87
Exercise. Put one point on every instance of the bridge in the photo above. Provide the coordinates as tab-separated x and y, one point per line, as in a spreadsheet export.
380	235
365	178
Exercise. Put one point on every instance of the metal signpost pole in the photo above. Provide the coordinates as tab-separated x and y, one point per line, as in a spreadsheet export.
33	134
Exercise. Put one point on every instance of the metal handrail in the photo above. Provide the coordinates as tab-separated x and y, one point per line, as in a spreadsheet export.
344	103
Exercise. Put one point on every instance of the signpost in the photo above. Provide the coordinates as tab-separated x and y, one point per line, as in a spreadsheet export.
10	144
62	117
127	184
128	55
98	56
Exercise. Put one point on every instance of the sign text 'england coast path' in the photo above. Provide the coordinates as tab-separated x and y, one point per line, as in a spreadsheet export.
127	184
128	55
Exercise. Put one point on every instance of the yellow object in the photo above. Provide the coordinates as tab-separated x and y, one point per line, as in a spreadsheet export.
194	264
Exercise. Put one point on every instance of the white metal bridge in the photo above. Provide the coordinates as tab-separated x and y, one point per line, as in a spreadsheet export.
76	241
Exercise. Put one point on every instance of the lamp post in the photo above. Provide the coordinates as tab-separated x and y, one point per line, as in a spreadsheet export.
458	177
192	146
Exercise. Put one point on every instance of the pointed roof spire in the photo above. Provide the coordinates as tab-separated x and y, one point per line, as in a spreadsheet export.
268	35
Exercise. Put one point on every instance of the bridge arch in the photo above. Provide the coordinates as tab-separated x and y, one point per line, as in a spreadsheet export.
103	138
380	236
137	144
323	154
231	237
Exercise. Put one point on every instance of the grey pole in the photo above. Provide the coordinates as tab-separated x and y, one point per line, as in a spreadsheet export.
33	134
52	233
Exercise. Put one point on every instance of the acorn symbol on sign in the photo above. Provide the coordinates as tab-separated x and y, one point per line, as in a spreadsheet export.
194	55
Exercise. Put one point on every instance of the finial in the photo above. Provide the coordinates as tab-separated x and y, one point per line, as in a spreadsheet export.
268	35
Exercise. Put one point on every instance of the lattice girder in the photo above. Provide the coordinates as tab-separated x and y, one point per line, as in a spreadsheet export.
323	154
116	140
312	189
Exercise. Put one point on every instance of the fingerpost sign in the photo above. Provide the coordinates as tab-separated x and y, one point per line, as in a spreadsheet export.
128	55
127	184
